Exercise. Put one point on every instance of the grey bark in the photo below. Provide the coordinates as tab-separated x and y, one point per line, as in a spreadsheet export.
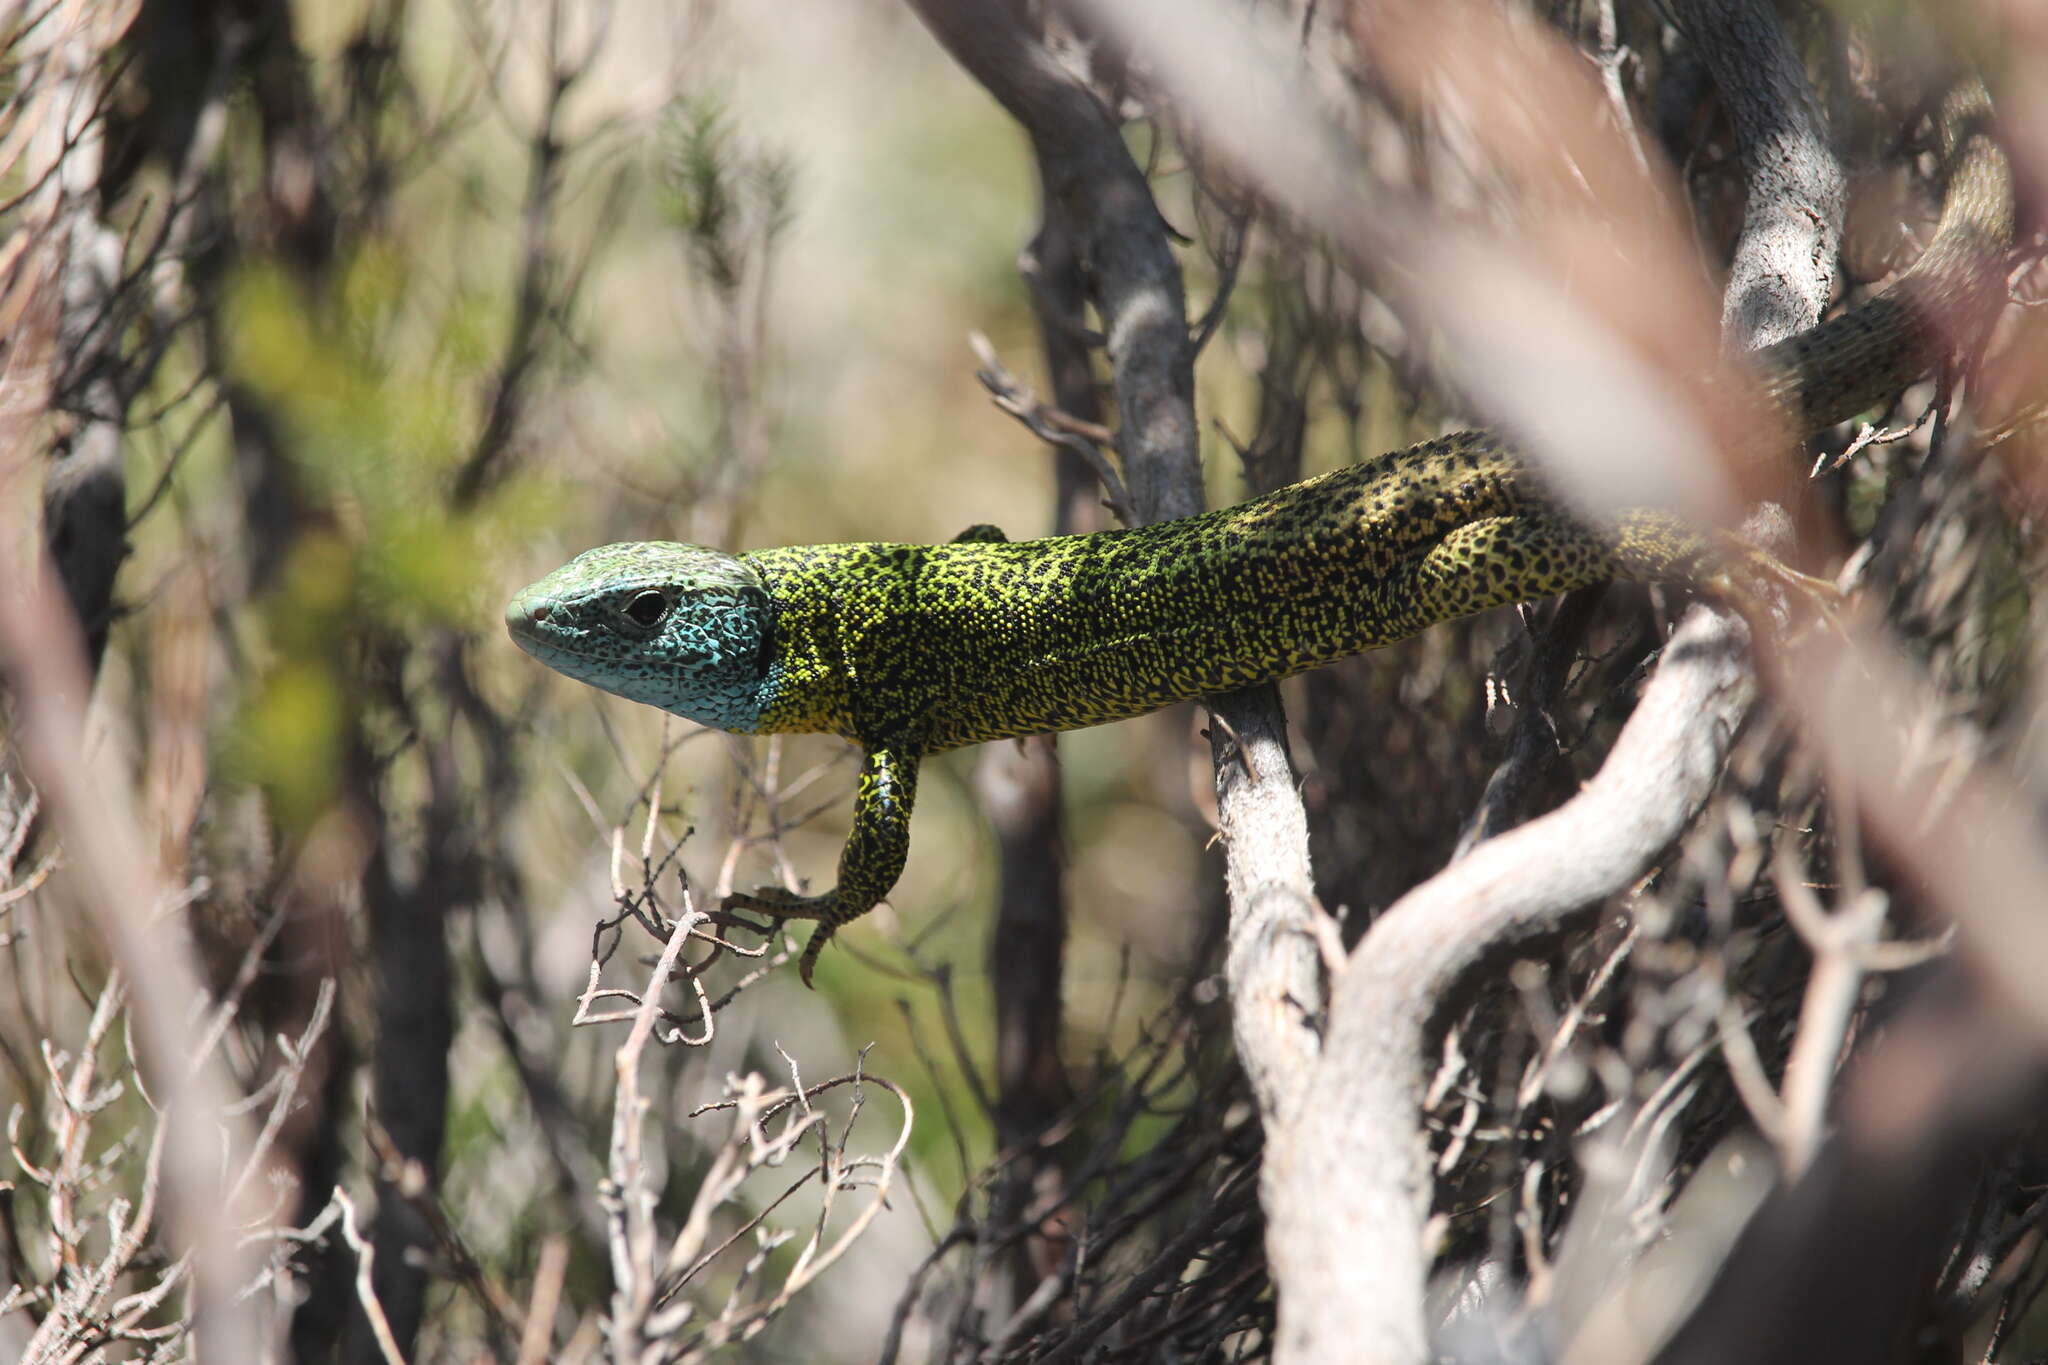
1347	1183
1784	264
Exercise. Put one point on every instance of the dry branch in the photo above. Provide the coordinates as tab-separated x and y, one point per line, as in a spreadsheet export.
1347	1186
1352	1171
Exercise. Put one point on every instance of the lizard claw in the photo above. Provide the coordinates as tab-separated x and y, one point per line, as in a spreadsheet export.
779	904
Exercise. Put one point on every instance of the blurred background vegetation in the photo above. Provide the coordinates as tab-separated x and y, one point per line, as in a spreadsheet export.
410	301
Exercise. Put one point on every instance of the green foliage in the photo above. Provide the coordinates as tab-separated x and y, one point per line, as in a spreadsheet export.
729	200
292	730
380	401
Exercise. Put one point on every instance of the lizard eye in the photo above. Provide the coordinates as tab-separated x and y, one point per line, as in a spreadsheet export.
646	609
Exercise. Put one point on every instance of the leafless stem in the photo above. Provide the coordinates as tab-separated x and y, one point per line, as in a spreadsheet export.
366	1289
1087	439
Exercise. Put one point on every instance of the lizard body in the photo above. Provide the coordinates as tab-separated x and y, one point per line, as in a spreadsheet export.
913	649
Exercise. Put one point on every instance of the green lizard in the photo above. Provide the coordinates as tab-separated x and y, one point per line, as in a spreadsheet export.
909	650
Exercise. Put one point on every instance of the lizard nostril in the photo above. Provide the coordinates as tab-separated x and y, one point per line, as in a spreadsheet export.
525	611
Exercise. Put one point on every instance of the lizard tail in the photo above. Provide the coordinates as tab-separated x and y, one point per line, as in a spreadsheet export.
1834	370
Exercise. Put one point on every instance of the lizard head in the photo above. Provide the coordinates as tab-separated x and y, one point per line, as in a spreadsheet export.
675	626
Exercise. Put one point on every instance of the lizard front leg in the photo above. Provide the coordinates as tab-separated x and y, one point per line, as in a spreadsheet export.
868	865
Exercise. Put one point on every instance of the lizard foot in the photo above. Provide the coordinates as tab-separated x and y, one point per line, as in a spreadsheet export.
777	903
1751	573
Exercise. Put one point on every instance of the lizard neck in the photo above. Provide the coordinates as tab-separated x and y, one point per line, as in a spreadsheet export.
804	688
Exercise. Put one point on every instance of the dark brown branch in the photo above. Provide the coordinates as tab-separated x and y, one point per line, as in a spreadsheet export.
1093	187
1123	244
1532	748
1020	788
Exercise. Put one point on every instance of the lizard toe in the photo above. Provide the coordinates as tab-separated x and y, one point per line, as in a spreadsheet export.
777	903
809	961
